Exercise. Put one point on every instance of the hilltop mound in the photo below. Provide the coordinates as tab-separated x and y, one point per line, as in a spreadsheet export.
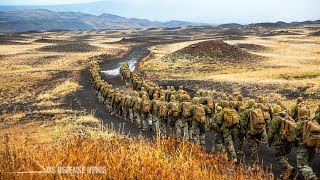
215	49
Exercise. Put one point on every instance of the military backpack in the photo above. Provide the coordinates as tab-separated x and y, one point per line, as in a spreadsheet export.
311	134
163	109
200	114
146	105
286	128
257	122
175	109
230	116
185	107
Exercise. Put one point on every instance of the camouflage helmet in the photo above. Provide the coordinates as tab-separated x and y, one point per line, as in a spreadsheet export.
160	87
172	98
121	92
230	98
197	94
144	97
224	97
172	88
260	99
251	103
236	94
155	96
127	93
240	97
225	104
136	94
162	98
195	100
117	89
219	109
206	93
276	109
185	97
180	87
168	87
299	99
142	88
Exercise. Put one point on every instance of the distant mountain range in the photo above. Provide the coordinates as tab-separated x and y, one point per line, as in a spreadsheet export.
40	19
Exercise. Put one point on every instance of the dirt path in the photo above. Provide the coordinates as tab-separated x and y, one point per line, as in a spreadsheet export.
88	100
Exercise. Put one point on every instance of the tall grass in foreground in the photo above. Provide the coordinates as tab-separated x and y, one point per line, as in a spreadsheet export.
122	157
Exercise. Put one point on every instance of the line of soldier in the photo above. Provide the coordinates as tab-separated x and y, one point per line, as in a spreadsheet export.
232	119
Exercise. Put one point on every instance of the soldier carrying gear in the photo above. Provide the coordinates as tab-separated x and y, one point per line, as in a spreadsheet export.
267	115
137	105
282	145
198	94
127	110
186	121
145	113
154	113
162	115
208	101
122	102
174	113
108	100
294	109
239	106
143	92
252	121
227	124
116	102
198	112
218	135
306	133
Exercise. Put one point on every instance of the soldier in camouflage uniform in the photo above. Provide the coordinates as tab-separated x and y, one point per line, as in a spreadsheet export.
154	113
122	98
254	138
162	112
198	112
305	154
174	113
267	114
218	135
109	102
145	113
208	101
186	121
229	130
282	146
116	102
127	112
136	105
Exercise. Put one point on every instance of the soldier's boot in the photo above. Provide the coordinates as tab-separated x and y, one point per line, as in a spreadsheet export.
286	175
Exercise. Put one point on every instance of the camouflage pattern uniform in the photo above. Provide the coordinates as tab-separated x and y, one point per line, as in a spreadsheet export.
218	135
197	128
208	101
126	107
116	102
145	113
154	113
282	146
109	102
186	121
305	154
122	98
174	120
163	117
136	105
267	113
253	138
230	134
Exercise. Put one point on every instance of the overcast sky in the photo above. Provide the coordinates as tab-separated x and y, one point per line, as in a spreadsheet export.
210	11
